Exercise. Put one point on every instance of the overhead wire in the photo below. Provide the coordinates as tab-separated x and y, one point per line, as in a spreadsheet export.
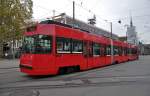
99	18
49	10
88	10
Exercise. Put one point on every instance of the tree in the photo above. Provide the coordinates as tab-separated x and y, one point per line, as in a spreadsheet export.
13	16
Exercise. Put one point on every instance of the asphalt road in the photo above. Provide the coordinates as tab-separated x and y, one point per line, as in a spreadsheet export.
125	79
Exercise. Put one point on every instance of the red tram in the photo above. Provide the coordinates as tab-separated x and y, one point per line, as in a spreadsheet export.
50	48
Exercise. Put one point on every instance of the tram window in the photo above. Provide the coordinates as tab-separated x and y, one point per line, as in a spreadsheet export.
134	51
116	51
125	51
120	51
108	50
43	44
96	49
37	44
77	46
102	50
63	45
129	51
59	46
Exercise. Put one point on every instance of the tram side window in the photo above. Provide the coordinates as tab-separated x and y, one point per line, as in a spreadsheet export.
134	51
96	49
120	51
129	51
116	51
108	50
63	45
102	50
43	44
126	51
77	46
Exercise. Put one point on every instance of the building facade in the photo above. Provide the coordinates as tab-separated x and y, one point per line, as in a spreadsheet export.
63	18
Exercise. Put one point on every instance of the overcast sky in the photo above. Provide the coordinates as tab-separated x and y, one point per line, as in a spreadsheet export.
110	10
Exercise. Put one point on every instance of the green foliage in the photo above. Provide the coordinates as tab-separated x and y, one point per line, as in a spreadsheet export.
13	17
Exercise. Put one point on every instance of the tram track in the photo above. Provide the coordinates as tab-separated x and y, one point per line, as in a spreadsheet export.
57	77
39	83
71	76
78	78
65	77
72	85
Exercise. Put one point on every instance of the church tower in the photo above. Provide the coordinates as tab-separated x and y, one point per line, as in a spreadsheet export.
131	33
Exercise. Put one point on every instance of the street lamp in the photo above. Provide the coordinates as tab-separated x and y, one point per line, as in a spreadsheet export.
112	46
111	42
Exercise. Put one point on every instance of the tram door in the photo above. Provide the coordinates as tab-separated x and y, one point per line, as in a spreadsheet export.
88	53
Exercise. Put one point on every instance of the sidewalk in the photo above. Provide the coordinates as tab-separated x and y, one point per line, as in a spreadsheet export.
9	63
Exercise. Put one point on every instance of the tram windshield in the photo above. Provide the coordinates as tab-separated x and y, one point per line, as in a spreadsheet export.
37	44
